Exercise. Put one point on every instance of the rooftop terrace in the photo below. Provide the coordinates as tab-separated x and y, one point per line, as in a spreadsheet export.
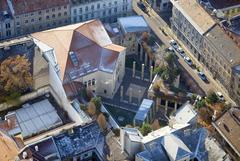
80	140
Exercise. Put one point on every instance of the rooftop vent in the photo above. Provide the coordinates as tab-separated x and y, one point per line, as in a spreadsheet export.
24	155
73	57
36	148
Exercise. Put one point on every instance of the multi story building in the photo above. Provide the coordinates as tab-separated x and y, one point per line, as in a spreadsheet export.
106	10
85	57
222	59
36	15
27	16
190	22
6	21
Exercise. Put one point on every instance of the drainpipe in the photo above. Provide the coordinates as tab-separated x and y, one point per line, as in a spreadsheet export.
134	69
142	72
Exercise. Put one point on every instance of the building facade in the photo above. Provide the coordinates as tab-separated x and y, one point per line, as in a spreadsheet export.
37	16
91	60
189	23
6	21
105	10
222	59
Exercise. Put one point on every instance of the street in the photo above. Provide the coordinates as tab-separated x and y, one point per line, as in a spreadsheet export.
158	26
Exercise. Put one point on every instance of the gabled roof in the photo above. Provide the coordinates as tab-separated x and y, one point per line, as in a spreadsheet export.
90	43
26	6
174	147
9	149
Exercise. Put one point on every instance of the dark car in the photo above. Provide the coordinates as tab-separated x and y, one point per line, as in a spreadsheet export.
203	76
142	7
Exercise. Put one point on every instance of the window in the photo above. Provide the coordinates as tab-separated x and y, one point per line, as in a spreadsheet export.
53	10
75	11
109	11
39	12
32	20
59	14
89	83
92	15
115	2
86	16
92	7
86	8
47	11
80	18
98	6
93	82
80	10
47	17
40	18
105	91
104	13
53	16
7	25
59	8
26	21
115	9
65	7
85	84
8	33
226	128
18	23
65	13
60	22
109	4
104	5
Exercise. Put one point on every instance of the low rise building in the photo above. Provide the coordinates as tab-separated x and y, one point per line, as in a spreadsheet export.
229	8
145	113
105	10
80	143
228	127
132	29
86	57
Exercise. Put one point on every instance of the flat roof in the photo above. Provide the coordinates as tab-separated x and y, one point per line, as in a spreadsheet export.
82	139
195	14
185	113
133	24
143	109
228	126
222	4
37	117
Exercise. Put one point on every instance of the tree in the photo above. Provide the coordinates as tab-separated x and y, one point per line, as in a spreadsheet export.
91	108
212	98
200	103
102	121
15	74
145	129
155	125
97	102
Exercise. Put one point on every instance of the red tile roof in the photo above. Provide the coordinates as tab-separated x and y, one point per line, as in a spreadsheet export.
89	41
26	6
3	5
220	4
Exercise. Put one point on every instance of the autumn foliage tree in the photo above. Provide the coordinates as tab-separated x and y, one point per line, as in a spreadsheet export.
91	109
15	74
102	121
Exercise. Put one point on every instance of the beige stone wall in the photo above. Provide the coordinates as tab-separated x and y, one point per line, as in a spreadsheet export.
42	19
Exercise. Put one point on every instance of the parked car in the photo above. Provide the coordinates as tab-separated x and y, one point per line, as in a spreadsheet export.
174	44
188	60
220	96
142	7
202	76
181	52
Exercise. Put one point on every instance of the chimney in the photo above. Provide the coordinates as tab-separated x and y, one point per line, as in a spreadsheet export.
134	69
142	76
